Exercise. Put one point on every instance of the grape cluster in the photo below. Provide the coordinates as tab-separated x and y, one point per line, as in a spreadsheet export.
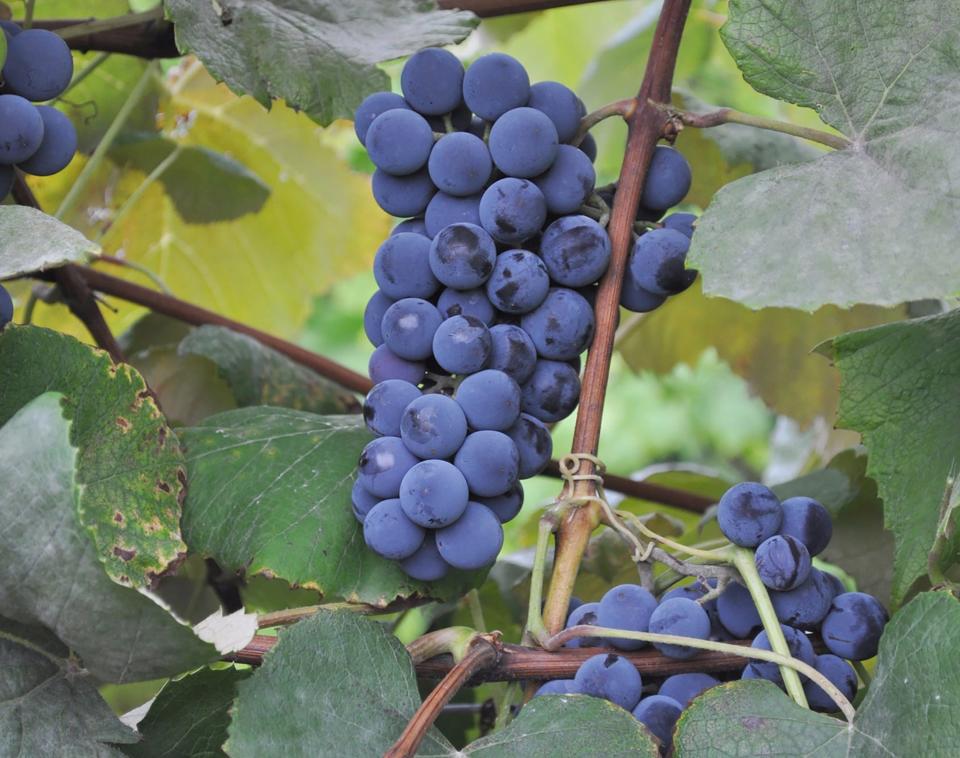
37	139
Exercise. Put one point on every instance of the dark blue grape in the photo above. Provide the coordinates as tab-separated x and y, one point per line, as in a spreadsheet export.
749	672
385	404
612	678
668	179
552	392
853	626
836	586
403	195
385	365
446	209
432	81
562	326
383	464
841	675
783	562
39	65
371	107
695	591
657	262
58	146
684	618
681	222
534	444
569	182
408	327
462	345
462	256
388	532
628	607
399	141
805	606
685	687
434	494
426	565
560	104
576	251
472	541
494	84
460	164
584	614
808	521
490	400
749	513
659	714
7	176
505	506
21	129
11	28
361	501
512	210
523	143
519	282
558	687
433	426
411	225
634	298
473	303
512	352
589	147
797	643
489	461
402	267
373	316
737	611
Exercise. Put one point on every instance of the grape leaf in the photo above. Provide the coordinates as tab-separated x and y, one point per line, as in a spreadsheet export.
30	240
906	711
319	56
270	494
130	467
47	707
50	574
833	230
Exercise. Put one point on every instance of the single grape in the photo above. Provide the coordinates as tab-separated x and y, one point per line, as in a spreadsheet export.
383	464
569	181
385	365
11	28
685	687
512	351
402	267
560	104
462	345
589	147
21	129
6	180
433	426
489	461
371	107
683	618
445	209
519	282
490	400
58	146
389	533
783	562
695	591
6	307
552	392
432	81
635	298
460	164
505	506
657	262
462	256
403	195
841	675
805	606
853	626
39	65
434	494
361	501
472	541
426	565
584	614
737	611
473	303
411	225
749	672
494	84
797	643
668	179
373	316
558	687
399	141
562	326
408	327
576	251
534	444
628	607
523	143
612	678
384	405
808	521
749	513
836	586
659	714
681	222
512	210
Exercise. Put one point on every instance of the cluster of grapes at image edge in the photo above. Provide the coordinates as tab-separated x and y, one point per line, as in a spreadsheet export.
37	139
785	536
484	304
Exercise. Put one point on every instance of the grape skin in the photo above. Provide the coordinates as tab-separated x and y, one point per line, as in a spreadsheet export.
634	298
737	611
583	615
552	392
399	141
473	541
840	673
684	618
371	107
575	250
385	365
589	147
489	462
494	84
668	179
433	494
383	464
808	521
373	316
562	326
490	400
612	678
798	645
659	714
783	562
569	182
534	444
462	345
402	267
806	605
445	209
519	282
384	405
426	564
558	687
460	164
432	81
411	225
681	222
58	146
657	262
629	607
749	513
853	626
408	327
523	143
512	210
462	256
473	303
433	426
685	687
389	533
505	506
512	352
560	104
21	129
39	65
361	501
403	195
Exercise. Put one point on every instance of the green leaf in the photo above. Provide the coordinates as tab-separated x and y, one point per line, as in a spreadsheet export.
899	390
47	707
190	716
129	467
270	494
905	713
33	241
258	375
50	574
833	230
334	684
319	56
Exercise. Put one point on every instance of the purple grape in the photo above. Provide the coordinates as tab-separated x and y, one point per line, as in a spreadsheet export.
576	251
808	521
490	400
472	541
853	626
552	392
373	315
534	444
681	617
385	404
512	210
685	687
512	351
389	533
798	645
39	65
841	675
584	614
749	513
589	147
560	104
426	565
681	222
361	501
58	146
434	494
628	607
634	298
403	195
737	611
462	345
460	164
432	81
494	84
489	461
402	267
371	107
668	179
21	129
399	141
657	262
659	714
462	256
569	182
408	327
519	282
445	209
558	687
505	506
783	562
433	426
806	605
383	464
385	365
473	303
411	225
612	678
523	143
562	326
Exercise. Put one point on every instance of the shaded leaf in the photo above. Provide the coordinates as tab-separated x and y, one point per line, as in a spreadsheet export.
30	240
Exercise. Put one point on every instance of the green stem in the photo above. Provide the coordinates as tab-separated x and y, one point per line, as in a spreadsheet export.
30	307
92	66
455	640
89	170
476	611
106	24
28	13
160	284
158	171
862	673
744	561
618	108
535	626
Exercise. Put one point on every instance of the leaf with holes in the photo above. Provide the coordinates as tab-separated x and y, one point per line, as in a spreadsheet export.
33	241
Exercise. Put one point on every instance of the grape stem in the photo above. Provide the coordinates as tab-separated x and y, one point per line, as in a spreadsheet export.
95	26
618	108
535	629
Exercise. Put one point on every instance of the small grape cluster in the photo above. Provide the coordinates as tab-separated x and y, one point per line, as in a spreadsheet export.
37	139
